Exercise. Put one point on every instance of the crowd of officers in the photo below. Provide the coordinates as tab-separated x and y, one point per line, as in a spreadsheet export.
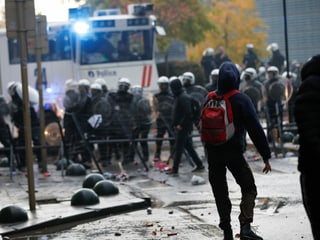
120	121
117	121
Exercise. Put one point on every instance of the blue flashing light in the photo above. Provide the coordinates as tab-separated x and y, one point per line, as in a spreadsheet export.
81	27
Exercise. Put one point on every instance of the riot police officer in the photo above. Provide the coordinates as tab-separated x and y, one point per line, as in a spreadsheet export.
162	101
275	93
252	87
100	120
142	117
207	62
77	103
196	92
15	91
277	59
121	127
213	84
250	58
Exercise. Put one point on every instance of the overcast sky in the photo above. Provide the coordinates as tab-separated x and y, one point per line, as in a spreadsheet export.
55	10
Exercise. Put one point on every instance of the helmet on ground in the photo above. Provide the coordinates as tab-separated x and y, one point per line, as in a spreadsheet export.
188	78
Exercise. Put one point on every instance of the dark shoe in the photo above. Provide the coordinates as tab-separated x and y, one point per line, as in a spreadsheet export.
228	234
172	173
247	234
198	169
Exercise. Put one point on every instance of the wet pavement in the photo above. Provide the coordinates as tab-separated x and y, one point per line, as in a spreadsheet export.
179	209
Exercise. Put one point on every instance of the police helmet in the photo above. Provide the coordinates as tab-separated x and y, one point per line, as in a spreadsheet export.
261	69
101	81
11	87
163	79
84	82
291	75
250	45
215	72
208	52
124	81
251	72
188	77
173	78
123	84
273	69
273	47
137	90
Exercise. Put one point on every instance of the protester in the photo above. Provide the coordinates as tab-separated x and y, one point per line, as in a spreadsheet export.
230	156
183	126
307	115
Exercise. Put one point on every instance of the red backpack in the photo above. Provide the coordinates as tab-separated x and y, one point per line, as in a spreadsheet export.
217	125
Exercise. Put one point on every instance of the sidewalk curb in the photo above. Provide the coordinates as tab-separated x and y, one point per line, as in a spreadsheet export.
91	213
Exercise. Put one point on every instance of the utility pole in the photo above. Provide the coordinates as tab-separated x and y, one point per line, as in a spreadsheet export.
20	21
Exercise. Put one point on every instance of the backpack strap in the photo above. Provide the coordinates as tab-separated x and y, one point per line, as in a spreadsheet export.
231	93
226	97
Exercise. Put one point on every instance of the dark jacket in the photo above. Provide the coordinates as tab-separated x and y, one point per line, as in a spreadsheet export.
182	110
307	115
245	117
277	59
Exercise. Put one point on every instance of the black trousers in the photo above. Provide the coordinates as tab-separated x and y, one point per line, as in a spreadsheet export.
310	200
184	141
219	160
162	128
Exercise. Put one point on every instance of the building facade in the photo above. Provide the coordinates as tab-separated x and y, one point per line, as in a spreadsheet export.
303	26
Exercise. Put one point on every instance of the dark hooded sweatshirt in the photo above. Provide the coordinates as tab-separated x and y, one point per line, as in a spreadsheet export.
245	117
307	115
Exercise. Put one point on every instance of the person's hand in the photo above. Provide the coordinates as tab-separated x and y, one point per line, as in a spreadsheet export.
267	167
178	128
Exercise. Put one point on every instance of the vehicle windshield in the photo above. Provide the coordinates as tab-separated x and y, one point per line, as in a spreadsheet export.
97	47
117	46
